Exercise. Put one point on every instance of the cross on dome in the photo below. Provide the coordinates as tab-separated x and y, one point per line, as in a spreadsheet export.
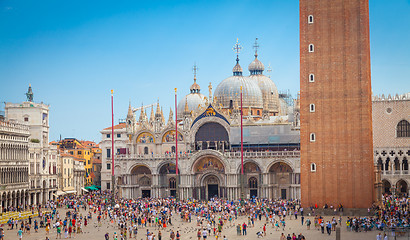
256	46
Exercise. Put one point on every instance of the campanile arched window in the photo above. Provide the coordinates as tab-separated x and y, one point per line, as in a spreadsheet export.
403	129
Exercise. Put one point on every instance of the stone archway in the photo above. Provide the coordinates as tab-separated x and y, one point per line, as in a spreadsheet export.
386	186
167	172
280	181
401	188
141	179
252	178
211	184
209	172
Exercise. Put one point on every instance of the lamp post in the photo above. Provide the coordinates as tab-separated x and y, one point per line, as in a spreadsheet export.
112	150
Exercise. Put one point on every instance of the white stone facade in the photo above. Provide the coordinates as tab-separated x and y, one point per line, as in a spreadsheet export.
145	160
42	157
391	150
14	164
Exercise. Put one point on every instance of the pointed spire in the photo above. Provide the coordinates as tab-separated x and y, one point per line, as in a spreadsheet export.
152	117
130	112
143	116
210	91
170	118
162	116
158	108
186	109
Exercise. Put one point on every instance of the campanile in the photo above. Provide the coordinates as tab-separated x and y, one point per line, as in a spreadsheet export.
335	93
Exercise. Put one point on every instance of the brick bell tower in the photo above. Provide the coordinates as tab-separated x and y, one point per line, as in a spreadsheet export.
336	111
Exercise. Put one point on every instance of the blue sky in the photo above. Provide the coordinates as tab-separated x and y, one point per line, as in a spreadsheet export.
74	52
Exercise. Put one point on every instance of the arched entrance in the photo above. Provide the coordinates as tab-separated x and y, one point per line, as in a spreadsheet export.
209	174
386	187
281	177
141	177
211	183
252	177
401	188
167	180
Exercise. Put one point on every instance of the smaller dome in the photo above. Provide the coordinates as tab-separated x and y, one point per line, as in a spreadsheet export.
237	69
195	88
193	100
256	67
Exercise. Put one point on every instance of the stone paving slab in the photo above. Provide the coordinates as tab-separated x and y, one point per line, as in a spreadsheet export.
188	231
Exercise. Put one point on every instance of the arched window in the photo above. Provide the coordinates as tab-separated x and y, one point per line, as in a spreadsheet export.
253	182
311	77
173	149
172	183
145	150
403	129
145	181
310	19
312	107
312	137
311	48
313	167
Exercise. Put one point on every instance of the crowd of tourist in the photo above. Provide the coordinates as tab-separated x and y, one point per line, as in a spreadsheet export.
152	218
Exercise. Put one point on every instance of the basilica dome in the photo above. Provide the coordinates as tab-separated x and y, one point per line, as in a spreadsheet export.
227	93
194	100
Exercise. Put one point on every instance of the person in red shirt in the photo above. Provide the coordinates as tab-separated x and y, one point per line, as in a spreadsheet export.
264	230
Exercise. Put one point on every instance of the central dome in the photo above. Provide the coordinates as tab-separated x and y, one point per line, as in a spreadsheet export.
228	91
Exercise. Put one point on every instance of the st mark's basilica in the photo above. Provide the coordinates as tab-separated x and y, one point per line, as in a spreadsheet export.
209	143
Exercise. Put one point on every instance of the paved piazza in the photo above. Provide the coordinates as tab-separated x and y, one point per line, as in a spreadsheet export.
189	230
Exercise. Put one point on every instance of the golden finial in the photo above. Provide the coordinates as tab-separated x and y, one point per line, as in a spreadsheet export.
175	90
112	91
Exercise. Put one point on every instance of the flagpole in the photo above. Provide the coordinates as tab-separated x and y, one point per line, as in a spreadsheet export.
242	182
112	149
176	147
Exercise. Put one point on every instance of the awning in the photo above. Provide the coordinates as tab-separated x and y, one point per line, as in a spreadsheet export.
72	191
85	190
92	188
59	193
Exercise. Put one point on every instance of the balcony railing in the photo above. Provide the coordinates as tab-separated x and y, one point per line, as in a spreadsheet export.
396	172
264	154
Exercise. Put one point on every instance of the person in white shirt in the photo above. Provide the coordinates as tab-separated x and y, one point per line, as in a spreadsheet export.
204	234
379	236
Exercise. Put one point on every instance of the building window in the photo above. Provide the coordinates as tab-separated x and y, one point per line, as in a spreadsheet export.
79	152
312	107
253	182
172	183
108	166
108	135
313	167
26	119
173	149
310	19
311	48
311	78
108	152
108	185
312	137
403	129
145	150
89	162
118	135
